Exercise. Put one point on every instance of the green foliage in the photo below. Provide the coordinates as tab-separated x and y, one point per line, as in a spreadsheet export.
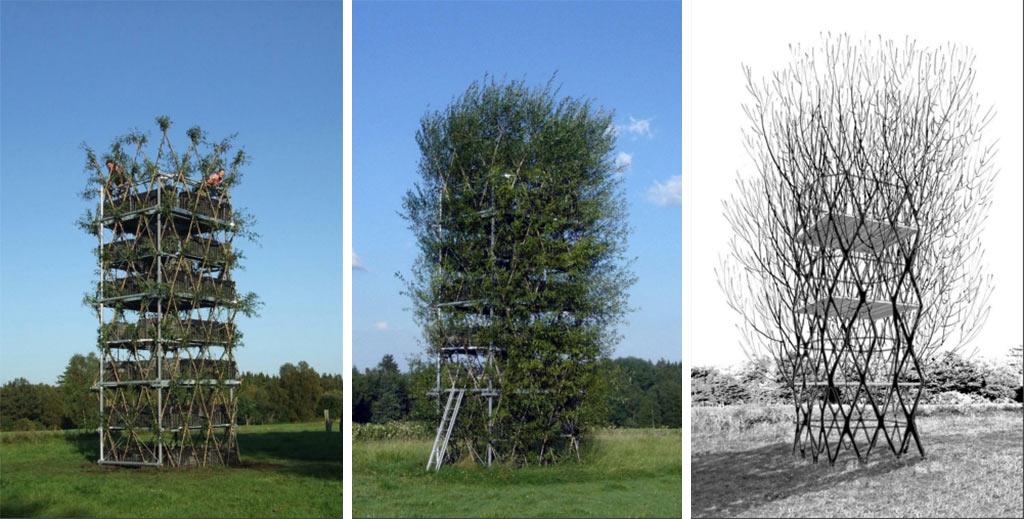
248	304
28	406
301	390
331	400
163	122
519	211
261	400
645	394
380	394
296	393
81	407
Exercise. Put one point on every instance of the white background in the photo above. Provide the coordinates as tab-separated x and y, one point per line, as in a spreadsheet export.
723	35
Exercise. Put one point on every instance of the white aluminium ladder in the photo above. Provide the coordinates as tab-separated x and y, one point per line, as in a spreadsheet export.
444	429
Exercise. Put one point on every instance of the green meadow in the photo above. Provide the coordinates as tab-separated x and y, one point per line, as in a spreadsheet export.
287	470
623	473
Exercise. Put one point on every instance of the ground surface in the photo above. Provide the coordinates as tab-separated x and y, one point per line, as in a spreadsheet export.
634	473
743	466
291	470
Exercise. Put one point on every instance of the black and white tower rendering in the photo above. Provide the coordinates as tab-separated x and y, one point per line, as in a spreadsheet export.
856	253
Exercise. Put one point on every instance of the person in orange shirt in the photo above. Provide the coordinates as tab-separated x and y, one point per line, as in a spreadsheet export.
215	179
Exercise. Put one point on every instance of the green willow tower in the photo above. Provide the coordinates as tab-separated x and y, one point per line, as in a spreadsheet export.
521	277
166	301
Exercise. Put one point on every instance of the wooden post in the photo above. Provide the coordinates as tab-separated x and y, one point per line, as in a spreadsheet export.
327	420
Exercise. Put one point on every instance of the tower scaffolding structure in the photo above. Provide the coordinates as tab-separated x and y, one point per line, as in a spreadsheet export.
855	374
166	304
468	360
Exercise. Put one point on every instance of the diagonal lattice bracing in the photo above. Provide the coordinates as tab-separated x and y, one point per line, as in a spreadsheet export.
851	379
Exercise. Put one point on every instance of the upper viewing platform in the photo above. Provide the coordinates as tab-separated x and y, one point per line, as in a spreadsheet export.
192	207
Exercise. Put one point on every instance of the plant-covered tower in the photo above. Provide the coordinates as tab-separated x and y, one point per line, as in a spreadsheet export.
166	301
521	276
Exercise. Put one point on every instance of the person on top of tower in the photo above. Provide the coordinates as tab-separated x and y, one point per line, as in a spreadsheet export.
117	178
215	179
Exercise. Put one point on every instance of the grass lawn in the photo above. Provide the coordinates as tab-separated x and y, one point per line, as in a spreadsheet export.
974	468
625	473
289	470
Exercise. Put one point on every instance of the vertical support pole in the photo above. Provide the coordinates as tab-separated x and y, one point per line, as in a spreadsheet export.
99	314
489	373
437	381
488	365
440	257
159	324
490	423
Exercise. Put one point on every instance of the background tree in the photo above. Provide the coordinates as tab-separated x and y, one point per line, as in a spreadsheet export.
392	400
380	394
301	387
518	210
28	406
332	402
81	406
633	403
1016	356
710	386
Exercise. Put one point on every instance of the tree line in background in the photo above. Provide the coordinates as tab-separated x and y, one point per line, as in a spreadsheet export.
635	393
297	393
951	379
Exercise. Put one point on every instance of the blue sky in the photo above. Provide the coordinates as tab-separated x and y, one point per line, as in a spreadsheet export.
74	72
412	57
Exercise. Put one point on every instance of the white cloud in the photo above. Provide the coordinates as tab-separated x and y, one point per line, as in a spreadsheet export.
381	326
668	193
639	127
624	160
357	262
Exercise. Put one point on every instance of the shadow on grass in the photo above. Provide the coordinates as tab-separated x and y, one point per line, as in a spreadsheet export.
18	506
306	453
726	484
86	443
